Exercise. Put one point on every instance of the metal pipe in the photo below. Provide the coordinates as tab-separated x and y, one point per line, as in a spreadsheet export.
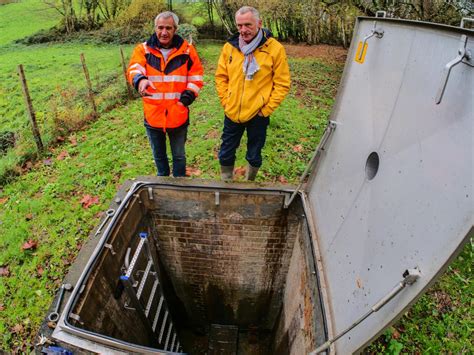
410	277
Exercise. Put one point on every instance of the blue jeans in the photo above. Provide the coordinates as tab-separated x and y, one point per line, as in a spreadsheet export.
177	137
232	134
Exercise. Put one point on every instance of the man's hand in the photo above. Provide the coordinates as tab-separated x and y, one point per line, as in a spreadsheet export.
142	87
180	103
260	114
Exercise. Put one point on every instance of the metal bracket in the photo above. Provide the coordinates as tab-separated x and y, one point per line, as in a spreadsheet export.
380	13
463	53
76	317
150	193
321	147
110	247
217	198
409	278
466	19
377	32
108	214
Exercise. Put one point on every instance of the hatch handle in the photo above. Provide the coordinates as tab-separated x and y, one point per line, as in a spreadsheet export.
377	32
466	19
463	53
321	146
409	278
381	13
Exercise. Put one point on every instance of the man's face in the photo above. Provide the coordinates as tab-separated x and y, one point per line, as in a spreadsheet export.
165	31
248	26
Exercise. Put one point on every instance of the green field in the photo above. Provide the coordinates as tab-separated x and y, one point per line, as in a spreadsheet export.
42	205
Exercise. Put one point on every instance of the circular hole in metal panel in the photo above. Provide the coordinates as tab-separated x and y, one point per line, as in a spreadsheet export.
372	165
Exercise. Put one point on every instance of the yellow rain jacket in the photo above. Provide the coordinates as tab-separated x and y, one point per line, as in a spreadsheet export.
241	98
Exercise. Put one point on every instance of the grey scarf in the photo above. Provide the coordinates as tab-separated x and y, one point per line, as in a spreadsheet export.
250	66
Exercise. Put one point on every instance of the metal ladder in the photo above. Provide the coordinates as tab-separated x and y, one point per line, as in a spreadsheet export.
159	323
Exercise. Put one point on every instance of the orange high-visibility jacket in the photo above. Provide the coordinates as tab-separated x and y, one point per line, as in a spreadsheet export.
178	79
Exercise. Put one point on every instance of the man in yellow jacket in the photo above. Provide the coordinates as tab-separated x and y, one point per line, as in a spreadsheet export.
252	79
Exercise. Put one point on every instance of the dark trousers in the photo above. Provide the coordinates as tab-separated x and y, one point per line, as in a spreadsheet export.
231	135
177	137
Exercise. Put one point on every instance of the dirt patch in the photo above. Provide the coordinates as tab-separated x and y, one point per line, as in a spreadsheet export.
321	51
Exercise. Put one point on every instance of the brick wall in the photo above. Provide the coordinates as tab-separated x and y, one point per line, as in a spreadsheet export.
228	262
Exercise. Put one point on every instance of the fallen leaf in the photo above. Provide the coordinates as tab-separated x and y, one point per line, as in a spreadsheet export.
190	171
62	155
395	334
51	325
28	165
18	328
213	134
40	271
60	139
298	148
89	200
29	245
73	140
2	307
282	179
4	271
359	283
81	165
240	171
29	216
3	200
47	162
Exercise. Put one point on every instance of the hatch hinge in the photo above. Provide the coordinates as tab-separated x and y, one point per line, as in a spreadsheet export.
313	162
409	278
464	56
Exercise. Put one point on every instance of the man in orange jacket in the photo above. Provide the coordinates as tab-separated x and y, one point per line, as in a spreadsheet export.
168	74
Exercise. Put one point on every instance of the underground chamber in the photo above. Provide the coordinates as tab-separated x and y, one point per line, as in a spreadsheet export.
202	271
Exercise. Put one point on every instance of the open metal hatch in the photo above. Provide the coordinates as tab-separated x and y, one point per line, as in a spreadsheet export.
393	188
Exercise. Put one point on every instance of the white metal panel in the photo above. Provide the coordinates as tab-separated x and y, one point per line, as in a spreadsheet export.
419	207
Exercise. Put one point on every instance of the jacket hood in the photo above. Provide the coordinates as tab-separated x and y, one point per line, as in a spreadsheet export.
153	41
234	39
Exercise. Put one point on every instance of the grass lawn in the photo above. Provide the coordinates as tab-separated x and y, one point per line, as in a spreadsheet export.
43	223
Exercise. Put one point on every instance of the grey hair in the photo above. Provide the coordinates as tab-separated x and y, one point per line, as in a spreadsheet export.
168	14
245	9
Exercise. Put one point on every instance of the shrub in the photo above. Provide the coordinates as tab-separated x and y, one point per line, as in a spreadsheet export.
188	32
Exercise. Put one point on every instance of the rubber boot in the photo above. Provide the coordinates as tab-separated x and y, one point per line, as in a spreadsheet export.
227	172
251	172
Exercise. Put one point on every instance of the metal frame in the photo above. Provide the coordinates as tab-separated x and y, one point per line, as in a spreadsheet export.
85	336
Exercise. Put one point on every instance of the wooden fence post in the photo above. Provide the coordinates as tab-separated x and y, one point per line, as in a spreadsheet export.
29	107
124	68
89	85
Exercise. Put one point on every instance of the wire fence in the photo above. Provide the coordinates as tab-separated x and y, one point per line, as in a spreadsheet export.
91	86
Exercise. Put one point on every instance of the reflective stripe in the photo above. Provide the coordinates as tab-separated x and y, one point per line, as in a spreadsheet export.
137	69
168	78
172	95
156	78
167	96
145	48
178	78
193	87
195	78
135	72
155	97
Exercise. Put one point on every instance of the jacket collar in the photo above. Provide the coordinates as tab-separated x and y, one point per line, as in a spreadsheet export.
234	40
153	42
